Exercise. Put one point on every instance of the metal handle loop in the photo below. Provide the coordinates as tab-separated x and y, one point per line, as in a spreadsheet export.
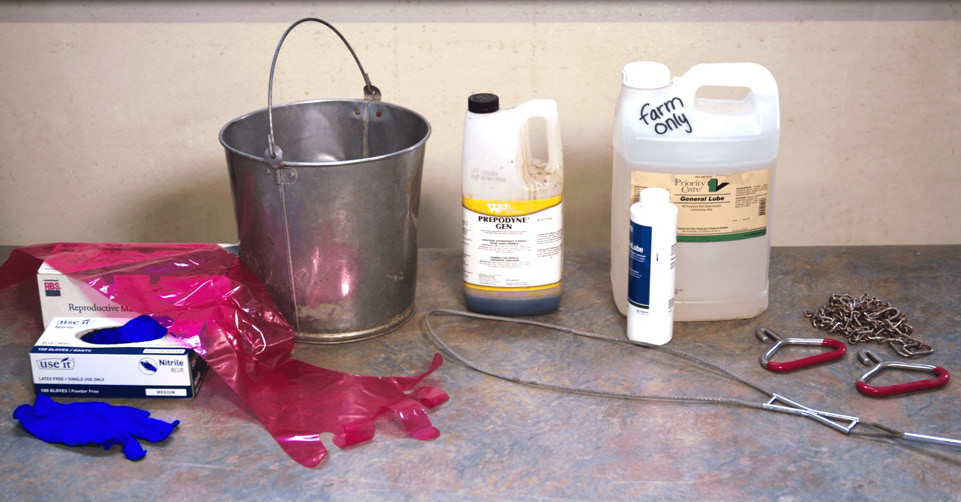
371	93
941	376
763	334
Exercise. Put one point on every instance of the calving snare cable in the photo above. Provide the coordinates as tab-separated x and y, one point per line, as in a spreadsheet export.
843	423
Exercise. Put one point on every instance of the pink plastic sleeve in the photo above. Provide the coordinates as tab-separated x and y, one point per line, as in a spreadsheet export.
222	311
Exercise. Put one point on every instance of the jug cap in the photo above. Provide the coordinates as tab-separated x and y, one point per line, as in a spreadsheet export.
654	196
483	103
646	75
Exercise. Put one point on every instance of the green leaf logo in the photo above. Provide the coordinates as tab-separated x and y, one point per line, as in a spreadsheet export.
712	185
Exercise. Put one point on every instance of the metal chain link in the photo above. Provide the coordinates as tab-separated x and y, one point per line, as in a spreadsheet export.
868	319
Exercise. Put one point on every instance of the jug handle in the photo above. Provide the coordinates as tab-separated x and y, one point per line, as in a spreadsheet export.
750	75
546	109
371	93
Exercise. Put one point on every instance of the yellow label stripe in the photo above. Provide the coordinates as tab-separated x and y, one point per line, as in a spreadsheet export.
509	207
525	288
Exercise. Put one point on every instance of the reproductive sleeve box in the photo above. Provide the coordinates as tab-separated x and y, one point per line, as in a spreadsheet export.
65	296
62	295
65	365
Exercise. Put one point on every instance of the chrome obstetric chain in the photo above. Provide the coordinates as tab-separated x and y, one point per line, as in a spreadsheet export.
868	319
837	421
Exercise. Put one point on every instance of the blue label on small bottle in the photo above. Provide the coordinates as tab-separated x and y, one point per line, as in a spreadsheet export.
639	268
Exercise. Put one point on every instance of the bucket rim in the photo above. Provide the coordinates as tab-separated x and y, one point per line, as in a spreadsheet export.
263	160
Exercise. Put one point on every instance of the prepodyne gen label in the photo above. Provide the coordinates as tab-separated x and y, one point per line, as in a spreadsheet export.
512	245
713	207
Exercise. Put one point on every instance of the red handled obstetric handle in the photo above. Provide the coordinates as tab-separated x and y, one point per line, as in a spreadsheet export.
941	374
839	350
941	378
763	334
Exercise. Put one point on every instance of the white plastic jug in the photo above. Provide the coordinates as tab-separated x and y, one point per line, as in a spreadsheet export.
513	221
716	154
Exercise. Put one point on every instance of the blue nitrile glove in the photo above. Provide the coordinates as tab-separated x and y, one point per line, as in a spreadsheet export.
138	329
82	424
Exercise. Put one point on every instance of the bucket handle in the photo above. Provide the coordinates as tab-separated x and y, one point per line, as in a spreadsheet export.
274	154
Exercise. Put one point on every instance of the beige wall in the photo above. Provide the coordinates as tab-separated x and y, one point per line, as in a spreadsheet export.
109	112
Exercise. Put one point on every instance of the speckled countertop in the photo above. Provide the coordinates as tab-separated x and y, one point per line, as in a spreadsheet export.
501	440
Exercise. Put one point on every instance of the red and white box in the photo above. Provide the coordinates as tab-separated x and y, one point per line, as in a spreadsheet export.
64	296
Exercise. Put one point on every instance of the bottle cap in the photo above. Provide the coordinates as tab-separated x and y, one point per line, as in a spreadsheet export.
646	75
483	103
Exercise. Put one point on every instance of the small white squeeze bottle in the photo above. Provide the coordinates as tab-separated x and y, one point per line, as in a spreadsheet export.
650	280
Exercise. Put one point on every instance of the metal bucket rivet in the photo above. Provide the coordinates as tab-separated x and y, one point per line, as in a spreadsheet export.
326	202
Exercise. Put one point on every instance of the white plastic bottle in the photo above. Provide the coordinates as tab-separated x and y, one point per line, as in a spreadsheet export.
716	155
513	219
650	283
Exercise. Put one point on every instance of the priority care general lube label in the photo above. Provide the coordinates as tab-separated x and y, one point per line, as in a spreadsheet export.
713	207
65	365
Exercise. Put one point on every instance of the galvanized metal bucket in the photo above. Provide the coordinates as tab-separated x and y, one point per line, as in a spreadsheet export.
328	222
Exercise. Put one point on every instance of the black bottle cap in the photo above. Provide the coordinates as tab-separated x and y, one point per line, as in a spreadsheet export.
483	103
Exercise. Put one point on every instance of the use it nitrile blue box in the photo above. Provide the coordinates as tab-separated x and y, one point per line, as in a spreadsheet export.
65	365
